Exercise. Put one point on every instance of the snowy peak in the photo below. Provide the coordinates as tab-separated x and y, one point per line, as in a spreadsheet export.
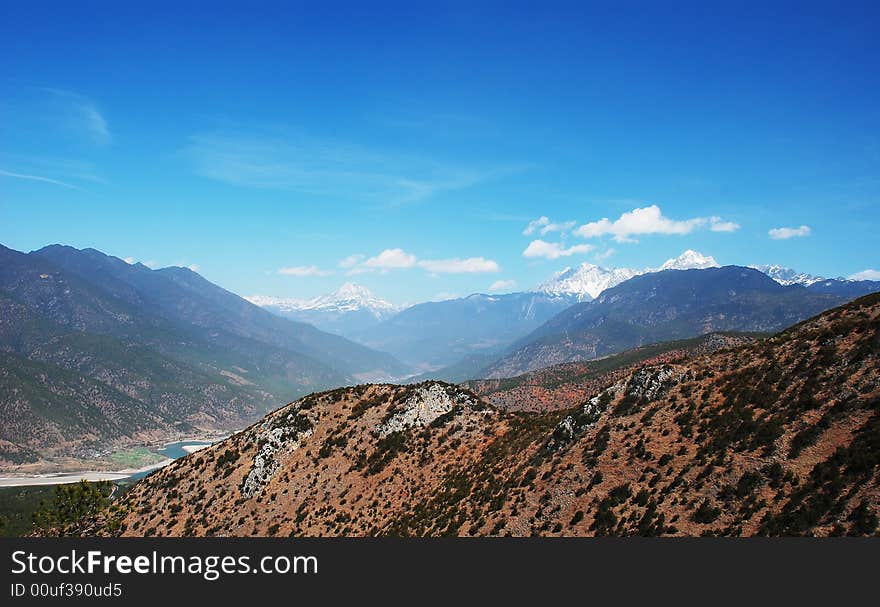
355	292
787	276
350	297
689	260
587	280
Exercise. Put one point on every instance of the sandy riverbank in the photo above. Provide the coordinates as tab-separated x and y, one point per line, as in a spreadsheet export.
194	448
75	477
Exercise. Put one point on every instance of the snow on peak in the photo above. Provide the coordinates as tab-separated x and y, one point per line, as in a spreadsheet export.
587	280
787	276
350	297
690	260
354	292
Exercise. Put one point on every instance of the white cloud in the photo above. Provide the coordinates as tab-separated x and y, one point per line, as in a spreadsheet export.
553	250
535	225
390	259
398	259
605	254
352	260
786	233
646	220
544	226
153	265
471	265
190	266
866	275
502	285
716	224
302	271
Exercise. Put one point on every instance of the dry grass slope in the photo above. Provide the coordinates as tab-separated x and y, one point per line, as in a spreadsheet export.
777	437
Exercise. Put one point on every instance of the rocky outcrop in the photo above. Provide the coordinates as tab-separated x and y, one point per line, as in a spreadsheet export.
428	403
275	436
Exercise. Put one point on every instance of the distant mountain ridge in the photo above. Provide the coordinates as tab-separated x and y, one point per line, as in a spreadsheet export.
436	334
787	276
160	351
586	281
662	306
776	437
350	308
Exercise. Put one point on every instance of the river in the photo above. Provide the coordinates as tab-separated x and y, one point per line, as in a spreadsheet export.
171	451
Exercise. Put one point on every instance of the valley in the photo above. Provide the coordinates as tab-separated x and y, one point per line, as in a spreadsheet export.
99	355
776	436
692	399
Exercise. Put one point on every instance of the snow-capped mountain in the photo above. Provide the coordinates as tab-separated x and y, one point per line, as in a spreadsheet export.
689	260
787	276
351	308
350	297
587	280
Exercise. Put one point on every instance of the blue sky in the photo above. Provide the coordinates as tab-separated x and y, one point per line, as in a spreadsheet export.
286	149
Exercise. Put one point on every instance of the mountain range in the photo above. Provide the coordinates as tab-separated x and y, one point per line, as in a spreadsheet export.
456	338
97	351
663	306
776	437
586	281
436	334
462	334
350	309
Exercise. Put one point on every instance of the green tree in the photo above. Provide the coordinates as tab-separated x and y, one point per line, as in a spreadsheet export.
73	504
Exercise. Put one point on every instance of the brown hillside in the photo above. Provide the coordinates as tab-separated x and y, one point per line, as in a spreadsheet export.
563	386
779	437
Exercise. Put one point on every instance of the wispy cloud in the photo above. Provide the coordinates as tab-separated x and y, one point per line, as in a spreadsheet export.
153	265
716	224
786	233
866	275
303	271
63	169
398	259
470	265
603	255
13	175
554	250
351	260
502	285
78	113
543	226
324	167
189	266
58	120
